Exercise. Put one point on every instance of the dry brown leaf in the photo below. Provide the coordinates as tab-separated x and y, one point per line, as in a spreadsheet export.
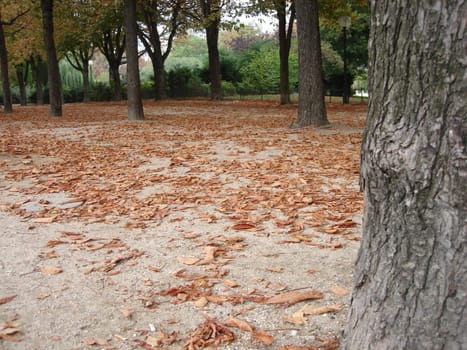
41	296
240	324
290	298
276	269
7	299
341	291
47	220
154	268
230	283
96	341
52	243
188	261
243	226
201	302
264	337
319	310
51	270
126	312
297	318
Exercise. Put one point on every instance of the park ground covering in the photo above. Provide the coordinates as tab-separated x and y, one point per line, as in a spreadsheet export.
207	224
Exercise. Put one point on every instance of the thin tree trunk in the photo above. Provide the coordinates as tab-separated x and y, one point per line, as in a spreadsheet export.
285	38
212	38
86	84
55	93
135	104
21	75
311	105
7	100
37	68
410	287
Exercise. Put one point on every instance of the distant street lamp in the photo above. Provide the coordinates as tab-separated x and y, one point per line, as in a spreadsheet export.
344	21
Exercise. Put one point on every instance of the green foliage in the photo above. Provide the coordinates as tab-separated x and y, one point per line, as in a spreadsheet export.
185	82
71	78
261	72
101	92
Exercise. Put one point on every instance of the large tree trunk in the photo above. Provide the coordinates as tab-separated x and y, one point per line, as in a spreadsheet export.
311	106
135	105
215	78
7	101
411	276
55	89
285	39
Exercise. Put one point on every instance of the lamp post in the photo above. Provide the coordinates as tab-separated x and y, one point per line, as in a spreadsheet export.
344	21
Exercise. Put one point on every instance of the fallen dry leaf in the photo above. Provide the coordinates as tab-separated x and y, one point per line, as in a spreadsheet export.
188	261
96	341
41	296
276	269
240	324
243	226
126	312
7	299
297	318
230	283
201	302
51	270
47	220
290	298
264	337
319	310
341	291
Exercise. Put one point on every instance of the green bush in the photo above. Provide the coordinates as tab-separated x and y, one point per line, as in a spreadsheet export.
101	92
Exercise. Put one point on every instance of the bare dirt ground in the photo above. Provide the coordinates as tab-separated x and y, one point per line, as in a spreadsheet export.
208	224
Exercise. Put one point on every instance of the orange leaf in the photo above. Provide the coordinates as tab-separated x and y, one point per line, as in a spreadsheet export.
240	324
264	337
51	270
243	226
341	291
187	261
319	310
7	299
294	297
45	220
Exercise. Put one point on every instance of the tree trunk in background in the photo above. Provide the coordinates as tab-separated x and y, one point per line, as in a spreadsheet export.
285	39
411	276
38	71
86	84
55	93
21	76
7	100
215	78
135	104
115	81
311	106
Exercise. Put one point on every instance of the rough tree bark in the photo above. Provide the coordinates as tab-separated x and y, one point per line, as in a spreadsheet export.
285	40
410	287
211	14
135	104
55	89
311	105
7	101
